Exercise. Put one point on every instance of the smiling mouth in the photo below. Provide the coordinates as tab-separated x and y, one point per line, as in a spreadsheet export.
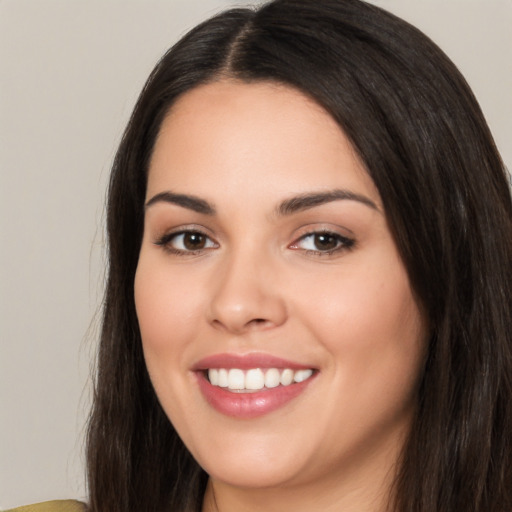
248	386
255	379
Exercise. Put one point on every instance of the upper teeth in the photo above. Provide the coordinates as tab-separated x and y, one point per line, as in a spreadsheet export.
256	378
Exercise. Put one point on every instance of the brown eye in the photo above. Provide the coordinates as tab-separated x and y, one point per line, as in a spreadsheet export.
186	242
325	241
194	241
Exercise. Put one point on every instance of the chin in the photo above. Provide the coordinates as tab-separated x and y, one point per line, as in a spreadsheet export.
262	465
252	475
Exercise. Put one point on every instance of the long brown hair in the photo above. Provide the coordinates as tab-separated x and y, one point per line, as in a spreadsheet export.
420	132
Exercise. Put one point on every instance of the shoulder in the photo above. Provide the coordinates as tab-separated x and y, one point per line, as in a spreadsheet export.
52	506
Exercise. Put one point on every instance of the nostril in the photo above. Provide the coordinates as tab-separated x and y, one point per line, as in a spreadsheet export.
258	323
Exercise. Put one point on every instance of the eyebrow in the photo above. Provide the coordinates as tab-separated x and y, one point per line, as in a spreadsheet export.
310	200
184	200
287	207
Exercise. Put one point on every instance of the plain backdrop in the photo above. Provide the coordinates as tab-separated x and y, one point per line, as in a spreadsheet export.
70	73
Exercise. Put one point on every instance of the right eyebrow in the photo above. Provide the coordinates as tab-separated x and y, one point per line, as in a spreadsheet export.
184	200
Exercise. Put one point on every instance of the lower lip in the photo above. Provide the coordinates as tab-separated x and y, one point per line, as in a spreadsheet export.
249	405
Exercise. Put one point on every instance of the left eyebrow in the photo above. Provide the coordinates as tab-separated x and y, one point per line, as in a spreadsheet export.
306	201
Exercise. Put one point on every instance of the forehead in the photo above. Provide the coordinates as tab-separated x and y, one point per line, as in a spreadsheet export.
239	134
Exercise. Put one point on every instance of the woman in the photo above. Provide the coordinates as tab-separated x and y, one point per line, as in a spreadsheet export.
308	304
414	402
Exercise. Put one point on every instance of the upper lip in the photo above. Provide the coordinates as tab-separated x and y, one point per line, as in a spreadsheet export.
246	362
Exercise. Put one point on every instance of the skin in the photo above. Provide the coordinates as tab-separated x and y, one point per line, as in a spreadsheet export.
263	283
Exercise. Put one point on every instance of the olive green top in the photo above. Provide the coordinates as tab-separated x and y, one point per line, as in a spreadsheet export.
52	506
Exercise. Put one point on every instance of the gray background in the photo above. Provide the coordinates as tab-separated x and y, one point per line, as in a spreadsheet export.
71	71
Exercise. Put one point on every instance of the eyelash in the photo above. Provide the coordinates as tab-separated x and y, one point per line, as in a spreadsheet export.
166	242
343	243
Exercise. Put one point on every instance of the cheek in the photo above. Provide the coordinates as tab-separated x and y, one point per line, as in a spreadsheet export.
371	325
167	306
373	330
365	307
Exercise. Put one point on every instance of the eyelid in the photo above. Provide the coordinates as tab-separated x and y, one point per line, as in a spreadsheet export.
165	240
344	243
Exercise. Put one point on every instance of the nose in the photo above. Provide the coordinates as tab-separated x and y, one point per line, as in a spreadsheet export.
246	296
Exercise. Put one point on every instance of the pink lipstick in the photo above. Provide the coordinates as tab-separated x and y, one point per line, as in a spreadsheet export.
250	385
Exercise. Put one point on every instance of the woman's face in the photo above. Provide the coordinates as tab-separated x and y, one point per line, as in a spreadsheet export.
267	266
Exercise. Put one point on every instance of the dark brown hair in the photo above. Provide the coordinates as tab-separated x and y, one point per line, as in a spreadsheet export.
420	132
